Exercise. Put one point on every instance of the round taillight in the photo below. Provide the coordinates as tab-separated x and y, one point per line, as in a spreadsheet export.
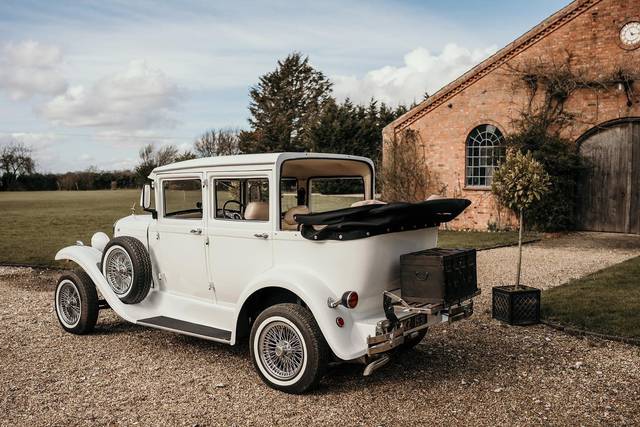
339	322
350	299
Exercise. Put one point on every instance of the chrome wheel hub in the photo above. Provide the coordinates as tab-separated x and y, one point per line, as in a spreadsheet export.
281	350
69	303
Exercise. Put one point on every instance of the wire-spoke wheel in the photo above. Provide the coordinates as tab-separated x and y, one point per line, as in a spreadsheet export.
118	270
126	266
288	349
76	302
68	301
281	349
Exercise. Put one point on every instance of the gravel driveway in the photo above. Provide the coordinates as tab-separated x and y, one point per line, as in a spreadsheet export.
476	372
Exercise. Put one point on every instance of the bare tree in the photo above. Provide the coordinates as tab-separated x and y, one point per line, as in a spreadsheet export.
166	154
221	142
151	158
404	174
17	159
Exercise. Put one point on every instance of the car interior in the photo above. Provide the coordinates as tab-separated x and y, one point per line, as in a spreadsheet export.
306	186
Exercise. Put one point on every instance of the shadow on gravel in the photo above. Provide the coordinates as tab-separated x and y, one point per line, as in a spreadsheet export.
462	355
116	326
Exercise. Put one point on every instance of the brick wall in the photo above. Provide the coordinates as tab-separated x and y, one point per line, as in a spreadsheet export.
497	98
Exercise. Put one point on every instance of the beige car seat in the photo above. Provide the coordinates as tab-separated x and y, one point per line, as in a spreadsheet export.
368	202
288	222
257	211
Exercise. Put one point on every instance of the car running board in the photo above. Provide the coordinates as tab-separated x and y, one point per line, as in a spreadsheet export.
187	328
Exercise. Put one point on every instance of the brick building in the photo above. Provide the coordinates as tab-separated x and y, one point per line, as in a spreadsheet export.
461	127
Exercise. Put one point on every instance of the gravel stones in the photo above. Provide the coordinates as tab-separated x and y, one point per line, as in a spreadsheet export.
478	371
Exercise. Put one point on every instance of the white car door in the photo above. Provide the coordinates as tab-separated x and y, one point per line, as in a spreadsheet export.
240	231
177	240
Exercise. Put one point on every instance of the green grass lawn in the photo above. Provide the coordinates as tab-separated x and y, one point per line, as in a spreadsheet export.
36	224
481	239
607	302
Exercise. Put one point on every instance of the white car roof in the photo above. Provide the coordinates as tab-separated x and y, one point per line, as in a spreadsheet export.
251	159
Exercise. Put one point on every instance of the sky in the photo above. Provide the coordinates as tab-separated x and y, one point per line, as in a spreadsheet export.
88	83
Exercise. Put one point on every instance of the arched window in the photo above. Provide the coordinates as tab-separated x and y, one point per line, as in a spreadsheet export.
485	150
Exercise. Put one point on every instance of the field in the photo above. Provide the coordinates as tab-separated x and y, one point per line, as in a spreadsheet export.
36	224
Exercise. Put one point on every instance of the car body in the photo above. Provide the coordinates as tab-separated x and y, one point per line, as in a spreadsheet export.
223	249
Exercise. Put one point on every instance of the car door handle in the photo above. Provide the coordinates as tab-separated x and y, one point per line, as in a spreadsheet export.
196	231
261	235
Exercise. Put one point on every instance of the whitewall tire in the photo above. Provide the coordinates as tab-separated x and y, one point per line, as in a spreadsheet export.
288	350
76	303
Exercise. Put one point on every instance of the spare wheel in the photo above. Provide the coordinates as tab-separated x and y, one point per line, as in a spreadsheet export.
127	268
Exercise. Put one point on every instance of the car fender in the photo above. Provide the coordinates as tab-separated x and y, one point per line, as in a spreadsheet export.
88	258
348	342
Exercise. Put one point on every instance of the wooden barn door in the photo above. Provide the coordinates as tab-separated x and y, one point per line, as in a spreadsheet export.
610	189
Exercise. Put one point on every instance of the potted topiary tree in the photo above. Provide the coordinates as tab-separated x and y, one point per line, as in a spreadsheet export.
519	182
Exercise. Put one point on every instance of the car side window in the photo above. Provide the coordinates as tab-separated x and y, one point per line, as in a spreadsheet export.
242	199
182	198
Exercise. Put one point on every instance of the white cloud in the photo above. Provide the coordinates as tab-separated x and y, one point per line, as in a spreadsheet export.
422	72
30	68
139	97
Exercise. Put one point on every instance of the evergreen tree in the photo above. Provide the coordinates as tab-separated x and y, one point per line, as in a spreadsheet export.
353	129
285	105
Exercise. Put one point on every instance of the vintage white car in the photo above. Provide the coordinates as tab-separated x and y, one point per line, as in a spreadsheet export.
288	249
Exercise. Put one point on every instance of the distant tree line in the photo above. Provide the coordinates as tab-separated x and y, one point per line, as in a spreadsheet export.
291	109
18	169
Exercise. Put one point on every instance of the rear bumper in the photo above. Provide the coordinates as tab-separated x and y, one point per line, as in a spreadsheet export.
411	323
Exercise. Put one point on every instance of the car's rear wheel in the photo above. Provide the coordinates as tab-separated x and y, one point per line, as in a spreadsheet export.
76	303
288	348
127	268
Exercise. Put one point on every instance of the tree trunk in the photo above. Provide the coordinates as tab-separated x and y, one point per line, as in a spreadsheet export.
519	250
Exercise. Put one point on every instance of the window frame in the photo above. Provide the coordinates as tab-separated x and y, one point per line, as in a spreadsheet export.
189	177
280	195
243	190
468	168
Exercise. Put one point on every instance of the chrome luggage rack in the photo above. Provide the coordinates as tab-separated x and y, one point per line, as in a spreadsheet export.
416	308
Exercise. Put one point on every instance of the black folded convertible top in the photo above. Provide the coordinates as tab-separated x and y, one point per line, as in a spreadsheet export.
371	220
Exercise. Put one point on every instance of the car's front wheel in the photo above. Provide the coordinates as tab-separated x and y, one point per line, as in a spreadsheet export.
76	303
288	348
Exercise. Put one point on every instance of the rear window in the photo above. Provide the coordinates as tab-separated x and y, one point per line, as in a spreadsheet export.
328	194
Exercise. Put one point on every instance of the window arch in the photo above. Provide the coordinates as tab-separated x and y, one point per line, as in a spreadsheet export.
485	150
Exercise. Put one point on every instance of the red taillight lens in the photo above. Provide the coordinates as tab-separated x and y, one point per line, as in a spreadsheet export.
350	299
339	322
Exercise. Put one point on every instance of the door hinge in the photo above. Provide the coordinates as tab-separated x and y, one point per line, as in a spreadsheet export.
212	287
206	241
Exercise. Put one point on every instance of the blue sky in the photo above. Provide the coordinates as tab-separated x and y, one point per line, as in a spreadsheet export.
88	83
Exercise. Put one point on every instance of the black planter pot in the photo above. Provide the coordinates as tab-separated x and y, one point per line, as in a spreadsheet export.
516	306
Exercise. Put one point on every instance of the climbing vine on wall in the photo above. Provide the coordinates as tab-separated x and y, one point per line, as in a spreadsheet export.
540	128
